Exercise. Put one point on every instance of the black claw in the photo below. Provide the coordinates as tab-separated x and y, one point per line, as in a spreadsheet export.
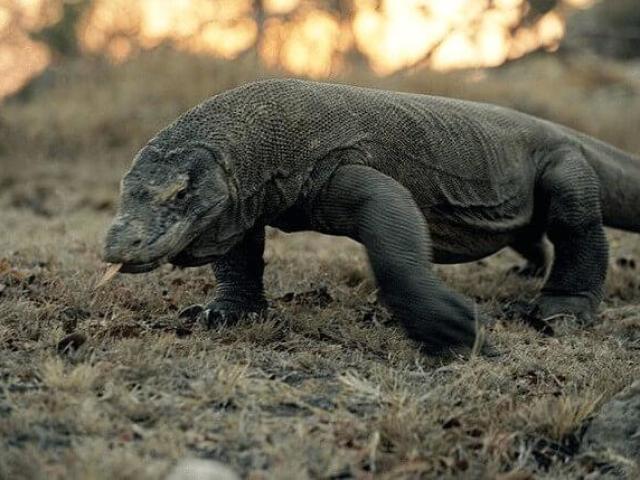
221	313
530	315
534	320
213	318
191	312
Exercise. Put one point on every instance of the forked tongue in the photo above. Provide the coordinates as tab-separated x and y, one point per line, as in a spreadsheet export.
109	274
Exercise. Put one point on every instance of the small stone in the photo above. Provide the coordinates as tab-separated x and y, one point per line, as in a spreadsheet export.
196	469
617	426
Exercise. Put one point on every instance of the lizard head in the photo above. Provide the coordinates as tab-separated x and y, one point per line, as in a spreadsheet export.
166	201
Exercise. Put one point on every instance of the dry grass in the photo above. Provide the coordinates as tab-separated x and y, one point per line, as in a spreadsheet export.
108	384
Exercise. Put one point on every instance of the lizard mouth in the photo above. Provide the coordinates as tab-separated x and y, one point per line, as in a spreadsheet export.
184	259
142	267
165	247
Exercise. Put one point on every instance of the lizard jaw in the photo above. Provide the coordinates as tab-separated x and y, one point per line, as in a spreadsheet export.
142	267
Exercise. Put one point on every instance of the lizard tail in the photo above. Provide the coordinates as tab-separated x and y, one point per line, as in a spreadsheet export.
619	174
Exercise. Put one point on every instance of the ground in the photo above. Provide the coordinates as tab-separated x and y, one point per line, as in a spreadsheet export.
108	383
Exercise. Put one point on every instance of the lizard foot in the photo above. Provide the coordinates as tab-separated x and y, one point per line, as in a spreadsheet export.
547	308
223	312
580	307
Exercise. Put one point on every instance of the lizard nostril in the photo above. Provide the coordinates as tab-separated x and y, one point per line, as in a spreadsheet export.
136	243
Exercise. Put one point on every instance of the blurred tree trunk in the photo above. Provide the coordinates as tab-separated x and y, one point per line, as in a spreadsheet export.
540	7
62	36
260	18
346	12
610	29
253	52
258	6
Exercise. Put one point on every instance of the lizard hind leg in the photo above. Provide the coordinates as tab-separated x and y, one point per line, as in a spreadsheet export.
570	194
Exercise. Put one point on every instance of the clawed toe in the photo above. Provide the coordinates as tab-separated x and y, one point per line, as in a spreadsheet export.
217	314
213	318
530	315
192	312
220	313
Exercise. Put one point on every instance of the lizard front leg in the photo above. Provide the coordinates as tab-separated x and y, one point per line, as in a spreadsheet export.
239	289
374	209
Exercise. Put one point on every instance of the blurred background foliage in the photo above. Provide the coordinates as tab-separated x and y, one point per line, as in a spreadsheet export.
91	80
314	38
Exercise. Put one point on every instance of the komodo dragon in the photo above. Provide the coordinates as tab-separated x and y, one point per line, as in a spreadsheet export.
415	178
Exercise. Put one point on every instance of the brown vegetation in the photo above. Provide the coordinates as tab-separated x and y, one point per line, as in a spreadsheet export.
109	384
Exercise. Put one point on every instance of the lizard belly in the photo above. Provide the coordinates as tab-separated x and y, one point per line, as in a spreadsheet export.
454	242
443	253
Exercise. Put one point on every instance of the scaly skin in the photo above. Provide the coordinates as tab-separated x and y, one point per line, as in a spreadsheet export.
416	179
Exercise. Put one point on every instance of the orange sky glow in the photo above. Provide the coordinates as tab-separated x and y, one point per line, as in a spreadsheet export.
296	36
